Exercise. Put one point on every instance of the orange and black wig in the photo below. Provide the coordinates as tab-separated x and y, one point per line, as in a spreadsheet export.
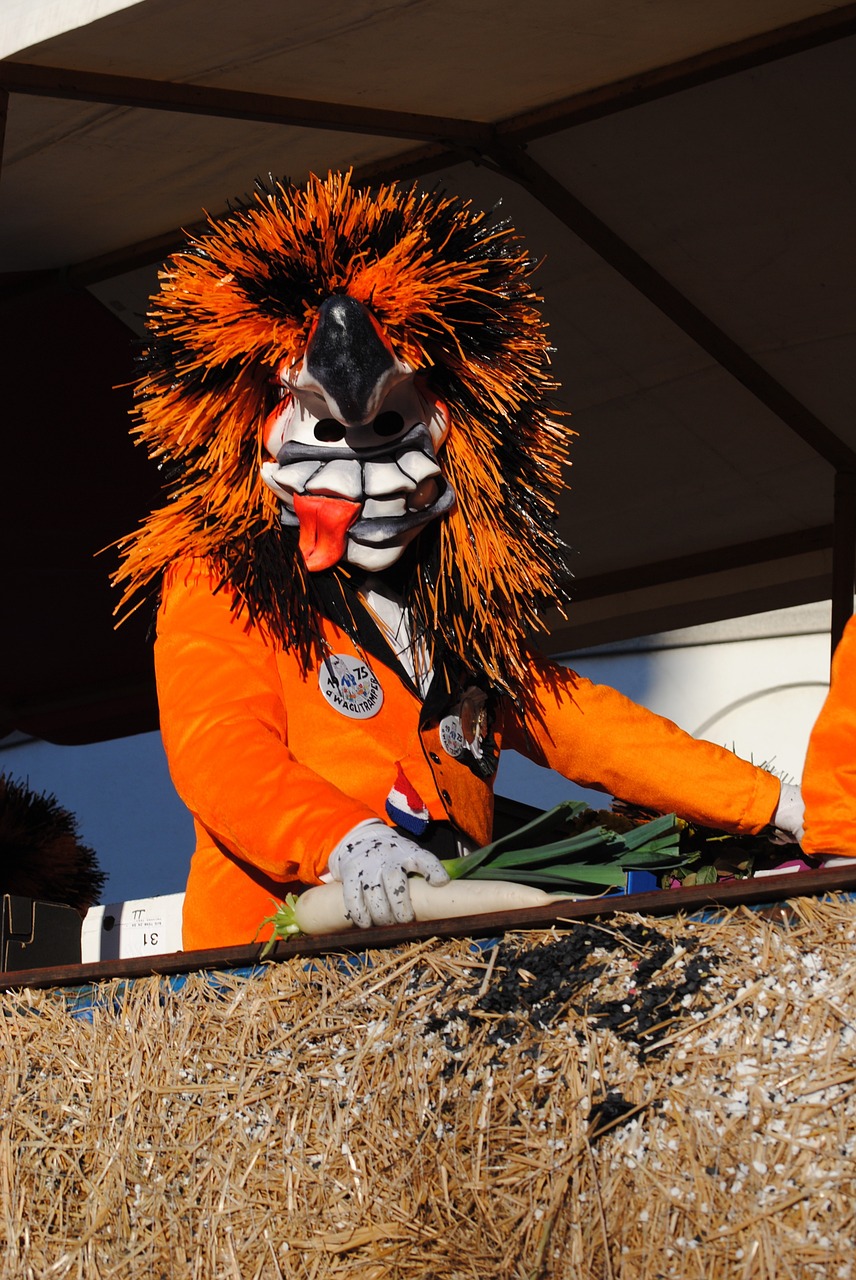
451	287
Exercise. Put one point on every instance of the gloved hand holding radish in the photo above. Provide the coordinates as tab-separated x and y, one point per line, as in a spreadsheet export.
373	862
547	858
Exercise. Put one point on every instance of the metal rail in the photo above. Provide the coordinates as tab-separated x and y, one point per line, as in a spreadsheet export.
766	890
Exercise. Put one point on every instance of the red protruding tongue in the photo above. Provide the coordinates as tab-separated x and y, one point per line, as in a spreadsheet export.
324	525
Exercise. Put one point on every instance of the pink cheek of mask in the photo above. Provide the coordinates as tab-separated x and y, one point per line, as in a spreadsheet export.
423	495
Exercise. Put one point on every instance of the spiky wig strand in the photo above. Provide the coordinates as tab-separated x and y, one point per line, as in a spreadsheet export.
452	290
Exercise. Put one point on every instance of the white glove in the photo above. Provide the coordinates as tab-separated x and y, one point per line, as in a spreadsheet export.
372	862
789	816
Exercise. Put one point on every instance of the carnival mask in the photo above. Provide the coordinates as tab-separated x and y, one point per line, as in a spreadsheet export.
353	445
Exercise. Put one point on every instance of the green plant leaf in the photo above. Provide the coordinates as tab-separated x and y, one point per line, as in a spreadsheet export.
524	837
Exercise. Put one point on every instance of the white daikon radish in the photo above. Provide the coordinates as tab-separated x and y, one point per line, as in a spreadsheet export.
321	909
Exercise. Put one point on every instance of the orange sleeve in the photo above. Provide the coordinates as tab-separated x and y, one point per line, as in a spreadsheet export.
598	738
829	776
224	722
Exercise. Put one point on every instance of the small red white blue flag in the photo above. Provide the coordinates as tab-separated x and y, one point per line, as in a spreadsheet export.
406	807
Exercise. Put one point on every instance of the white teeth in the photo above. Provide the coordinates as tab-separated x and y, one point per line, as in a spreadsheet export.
384	478
285	480
418	466
387	489
375	510
294	474
341	477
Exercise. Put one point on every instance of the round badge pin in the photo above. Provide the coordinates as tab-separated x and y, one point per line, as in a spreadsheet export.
350	686
452	736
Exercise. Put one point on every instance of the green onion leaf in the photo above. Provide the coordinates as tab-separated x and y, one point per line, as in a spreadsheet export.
593	856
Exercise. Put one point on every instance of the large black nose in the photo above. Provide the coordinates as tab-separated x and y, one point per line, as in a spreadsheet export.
349	358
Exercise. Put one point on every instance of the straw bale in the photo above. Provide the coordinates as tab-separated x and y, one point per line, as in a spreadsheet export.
621	1100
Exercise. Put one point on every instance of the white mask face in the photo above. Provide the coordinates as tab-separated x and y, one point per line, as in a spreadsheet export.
360	492
353	444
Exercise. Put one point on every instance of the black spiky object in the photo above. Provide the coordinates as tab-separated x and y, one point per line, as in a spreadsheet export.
41	853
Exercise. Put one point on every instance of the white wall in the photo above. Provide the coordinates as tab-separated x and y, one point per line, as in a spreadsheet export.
754	685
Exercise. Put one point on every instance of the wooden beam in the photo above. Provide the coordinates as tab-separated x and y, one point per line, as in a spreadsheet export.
516	164
591	104
660	902
718	559
236	104
687	73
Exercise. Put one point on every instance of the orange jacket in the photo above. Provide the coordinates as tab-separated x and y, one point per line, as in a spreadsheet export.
275	776
829	775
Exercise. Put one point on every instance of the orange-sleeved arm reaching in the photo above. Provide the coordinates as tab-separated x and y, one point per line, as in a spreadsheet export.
599	738
829	776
